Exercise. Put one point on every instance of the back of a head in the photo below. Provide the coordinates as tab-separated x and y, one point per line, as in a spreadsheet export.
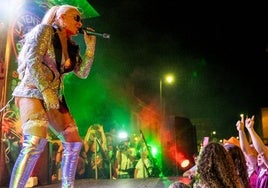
210	156
212	164
239	160
235	152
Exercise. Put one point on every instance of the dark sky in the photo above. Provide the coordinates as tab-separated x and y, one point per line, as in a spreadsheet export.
217	52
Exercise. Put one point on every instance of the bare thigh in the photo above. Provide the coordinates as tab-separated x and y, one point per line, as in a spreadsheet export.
33	115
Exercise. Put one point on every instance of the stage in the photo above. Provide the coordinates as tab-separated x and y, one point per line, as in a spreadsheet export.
121	183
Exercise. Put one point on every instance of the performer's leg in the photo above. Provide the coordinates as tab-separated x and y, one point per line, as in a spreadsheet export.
29	154
63	125
71	151
69	162
34	130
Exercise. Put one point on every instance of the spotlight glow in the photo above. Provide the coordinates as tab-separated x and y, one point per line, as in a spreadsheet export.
122	135
185	163
9	8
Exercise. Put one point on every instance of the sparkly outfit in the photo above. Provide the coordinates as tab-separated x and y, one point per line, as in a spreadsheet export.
38	70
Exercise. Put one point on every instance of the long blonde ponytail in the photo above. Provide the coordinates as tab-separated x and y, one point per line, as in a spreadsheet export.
54	13
50	16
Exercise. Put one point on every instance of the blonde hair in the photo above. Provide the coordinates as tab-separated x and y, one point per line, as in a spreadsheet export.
53	14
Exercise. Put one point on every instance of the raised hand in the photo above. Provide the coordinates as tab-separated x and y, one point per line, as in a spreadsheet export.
249	122
240	123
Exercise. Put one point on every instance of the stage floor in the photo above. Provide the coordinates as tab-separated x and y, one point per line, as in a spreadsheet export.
120	183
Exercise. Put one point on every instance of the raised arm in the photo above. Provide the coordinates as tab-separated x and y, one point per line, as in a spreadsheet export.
256	140
244	144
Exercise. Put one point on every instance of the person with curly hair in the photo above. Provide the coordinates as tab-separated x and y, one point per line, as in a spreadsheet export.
239	162
216	169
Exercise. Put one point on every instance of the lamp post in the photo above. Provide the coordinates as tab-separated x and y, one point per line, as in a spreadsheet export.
161	99
166	79
169	79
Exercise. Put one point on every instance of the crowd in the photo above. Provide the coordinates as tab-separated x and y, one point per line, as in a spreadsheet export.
236	163
105	156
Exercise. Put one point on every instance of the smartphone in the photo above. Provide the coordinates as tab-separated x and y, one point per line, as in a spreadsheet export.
205	141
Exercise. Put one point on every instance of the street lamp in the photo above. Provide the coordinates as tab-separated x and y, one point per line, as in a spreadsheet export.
168	79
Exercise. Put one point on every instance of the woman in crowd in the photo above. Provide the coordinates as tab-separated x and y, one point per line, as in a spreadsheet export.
262	159
249	152
96	152
143	166
216	169
239	162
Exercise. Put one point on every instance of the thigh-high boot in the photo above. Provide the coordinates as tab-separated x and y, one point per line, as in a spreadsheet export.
32	147
71	151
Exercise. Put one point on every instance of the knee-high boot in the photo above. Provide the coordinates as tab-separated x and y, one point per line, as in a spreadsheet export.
31	149
69	163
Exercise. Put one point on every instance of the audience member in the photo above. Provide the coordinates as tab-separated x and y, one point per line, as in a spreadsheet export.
239	162
190	173
81	165
262	179
58	159
249	152
95	149
124	164
143	166
216	169
54	161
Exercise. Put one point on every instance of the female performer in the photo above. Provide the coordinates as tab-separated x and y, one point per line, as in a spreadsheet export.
47	55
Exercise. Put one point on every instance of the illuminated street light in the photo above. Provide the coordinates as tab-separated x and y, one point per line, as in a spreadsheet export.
169	79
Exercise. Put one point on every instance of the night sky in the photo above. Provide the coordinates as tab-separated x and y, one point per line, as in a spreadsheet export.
217	54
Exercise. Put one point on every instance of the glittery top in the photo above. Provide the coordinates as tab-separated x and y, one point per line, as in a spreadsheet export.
37	65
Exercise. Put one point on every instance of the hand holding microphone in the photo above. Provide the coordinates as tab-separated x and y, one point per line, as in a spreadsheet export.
90	41
90	31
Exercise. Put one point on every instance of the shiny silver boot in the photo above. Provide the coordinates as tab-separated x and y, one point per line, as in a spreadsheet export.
71	151
31	150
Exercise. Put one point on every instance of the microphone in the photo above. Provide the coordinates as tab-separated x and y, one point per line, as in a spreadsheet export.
89	32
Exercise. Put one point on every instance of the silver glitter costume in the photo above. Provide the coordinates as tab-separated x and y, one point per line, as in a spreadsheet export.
37	66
